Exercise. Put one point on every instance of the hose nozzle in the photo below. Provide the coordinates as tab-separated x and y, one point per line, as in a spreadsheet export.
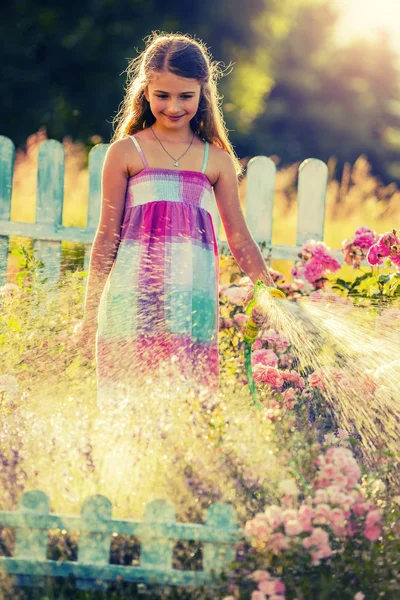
253	327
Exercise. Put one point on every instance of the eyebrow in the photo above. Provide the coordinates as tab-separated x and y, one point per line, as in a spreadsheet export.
163	92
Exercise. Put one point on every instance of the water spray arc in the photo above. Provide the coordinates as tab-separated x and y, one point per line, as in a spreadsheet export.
256	310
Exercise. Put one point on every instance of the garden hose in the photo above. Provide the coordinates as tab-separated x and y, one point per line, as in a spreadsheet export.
252	329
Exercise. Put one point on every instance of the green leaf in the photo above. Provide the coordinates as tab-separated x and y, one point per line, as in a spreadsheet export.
383	278
343	283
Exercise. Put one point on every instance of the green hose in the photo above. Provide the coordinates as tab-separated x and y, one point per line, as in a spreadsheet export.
251	333
249	374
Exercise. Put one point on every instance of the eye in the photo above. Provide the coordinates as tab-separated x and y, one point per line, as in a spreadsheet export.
161	95
186	96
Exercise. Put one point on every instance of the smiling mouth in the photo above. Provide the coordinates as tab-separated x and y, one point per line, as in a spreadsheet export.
173	117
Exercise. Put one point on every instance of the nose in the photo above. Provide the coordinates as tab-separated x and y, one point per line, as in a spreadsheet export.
174	107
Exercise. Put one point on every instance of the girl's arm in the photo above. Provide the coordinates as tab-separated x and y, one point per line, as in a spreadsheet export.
107	238
241	243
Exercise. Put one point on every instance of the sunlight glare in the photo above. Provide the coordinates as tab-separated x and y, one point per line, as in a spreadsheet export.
366	18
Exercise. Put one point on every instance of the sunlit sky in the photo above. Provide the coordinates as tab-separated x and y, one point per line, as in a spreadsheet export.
365	18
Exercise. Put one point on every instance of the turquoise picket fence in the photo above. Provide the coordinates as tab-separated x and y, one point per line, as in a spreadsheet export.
48	231
157	532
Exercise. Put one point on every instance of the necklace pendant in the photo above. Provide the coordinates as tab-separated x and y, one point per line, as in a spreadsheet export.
176	164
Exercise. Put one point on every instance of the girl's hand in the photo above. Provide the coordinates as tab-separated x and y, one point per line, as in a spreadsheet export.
84	339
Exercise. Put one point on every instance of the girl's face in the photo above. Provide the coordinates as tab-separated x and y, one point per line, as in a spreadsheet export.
173	100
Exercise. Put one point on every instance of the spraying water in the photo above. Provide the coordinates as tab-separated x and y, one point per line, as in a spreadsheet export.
355	354
176	440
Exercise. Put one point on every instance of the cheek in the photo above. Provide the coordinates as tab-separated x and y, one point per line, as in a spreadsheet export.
156	104
192	106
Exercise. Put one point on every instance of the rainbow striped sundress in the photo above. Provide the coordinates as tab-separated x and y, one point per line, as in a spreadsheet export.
160	301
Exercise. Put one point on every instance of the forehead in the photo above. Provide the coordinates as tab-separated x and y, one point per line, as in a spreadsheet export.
171	83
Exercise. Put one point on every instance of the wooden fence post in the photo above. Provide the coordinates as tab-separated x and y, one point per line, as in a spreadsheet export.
7	158
94	548
260	188
96	160
31	544
157	552
49	206
313	177
217	556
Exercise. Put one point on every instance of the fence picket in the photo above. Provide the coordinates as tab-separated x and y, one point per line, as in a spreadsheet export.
94	548
7	158
31	543
96	160
217	556
157	552
313	177
49	206
260	187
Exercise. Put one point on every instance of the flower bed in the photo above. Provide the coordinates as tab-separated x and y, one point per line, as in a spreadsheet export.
334	533
314	476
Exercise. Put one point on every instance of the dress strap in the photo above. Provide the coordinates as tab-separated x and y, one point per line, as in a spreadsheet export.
205	159
139	149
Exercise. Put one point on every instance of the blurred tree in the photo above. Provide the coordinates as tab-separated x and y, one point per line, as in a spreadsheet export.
292	91
63	62
329	101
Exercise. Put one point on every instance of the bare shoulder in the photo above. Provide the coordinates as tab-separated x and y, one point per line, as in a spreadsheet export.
223	165
124	153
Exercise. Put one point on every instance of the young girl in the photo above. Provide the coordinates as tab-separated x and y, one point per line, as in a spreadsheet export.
151	302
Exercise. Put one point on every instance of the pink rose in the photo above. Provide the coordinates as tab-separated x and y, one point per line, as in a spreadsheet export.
316	380
268	375
374	256
373	525
240	318
289	397
321	497
293	377
279	542
318	544
265	357
257	595
306	513
267	587
259	575
293	527
236	295
274	515
337	522
259	526
321	514
227	323
280	587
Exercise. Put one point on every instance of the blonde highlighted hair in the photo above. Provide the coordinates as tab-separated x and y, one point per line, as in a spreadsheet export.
185	57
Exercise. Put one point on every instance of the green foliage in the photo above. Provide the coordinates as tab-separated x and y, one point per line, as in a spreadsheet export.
292	92
371	285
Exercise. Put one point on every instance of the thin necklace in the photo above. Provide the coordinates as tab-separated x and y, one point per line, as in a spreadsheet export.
176	160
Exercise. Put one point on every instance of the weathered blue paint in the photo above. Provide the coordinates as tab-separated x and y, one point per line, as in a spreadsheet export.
49	206
7	158
157	532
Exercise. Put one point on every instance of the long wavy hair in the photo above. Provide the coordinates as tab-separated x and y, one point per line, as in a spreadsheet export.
185	57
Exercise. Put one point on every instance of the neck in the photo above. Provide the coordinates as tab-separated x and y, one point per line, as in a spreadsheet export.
182	135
